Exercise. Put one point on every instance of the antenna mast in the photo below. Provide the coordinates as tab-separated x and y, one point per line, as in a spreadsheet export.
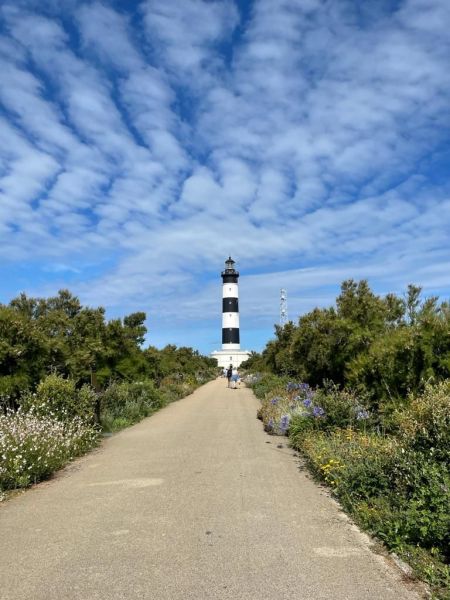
283	308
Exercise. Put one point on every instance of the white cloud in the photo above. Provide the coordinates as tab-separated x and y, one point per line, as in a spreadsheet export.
185	34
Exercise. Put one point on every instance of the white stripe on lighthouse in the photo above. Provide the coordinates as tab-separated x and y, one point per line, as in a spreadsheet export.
230	320
231	347
230	290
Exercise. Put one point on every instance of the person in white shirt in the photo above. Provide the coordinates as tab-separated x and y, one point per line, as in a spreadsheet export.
234	378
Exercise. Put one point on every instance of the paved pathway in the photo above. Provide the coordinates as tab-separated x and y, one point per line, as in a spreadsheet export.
196	502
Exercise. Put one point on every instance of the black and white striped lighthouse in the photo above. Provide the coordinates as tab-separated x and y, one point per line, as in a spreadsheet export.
231	353
230	307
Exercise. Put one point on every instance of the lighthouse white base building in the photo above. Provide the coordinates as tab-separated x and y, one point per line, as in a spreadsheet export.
234	357
231	353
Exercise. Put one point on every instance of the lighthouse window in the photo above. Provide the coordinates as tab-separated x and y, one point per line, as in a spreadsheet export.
229	289
230	314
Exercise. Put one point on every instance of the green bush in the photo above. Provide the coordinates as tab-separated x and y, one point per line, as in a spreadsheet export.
58	397
422	496
355	463
266	384
287	405
342	408
172	391
124	403
424	425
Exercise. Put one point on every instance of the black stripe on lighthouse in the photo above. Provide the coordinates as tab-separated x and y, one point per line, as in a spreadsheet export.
230	305
230	336
230	277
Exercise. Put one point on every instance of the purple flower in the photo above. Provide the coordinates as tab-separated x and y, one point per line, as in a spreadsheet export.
318	411
307	402
275	400
284	423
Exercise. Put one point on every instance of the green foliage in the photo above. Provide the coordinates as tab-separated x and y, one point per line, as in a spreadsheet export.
58	335
255	363
179	363
355	463
58	397
386	347
277	355
424	425
342	408
23	353
267	384
124	403
305	408
174	390
420	499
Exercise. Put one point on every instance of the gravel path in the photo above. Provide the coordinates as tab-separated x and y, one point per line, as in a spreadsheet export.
195	502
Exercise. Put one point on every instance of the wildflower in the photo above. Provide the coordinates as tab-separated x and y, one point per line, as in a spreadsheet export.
307	402
362	414
318	411
275	400
284	423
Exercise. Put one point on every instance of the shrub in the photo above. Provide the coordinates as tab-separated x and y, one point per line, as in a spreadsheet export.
32	447
287	405
424	425
172	391
342	408
265	384
356	464
58	397
123	403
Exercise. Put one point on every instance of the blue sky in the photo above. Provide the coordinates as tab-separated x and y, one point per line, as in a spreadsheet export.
144	142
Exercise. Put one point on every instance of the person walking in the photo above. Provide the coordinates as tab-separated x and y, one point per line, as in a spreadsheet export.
229	374
234	378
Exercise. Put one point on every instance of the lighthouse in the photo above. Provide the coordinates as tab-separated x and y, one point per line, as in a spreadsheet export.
231	352
230	307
